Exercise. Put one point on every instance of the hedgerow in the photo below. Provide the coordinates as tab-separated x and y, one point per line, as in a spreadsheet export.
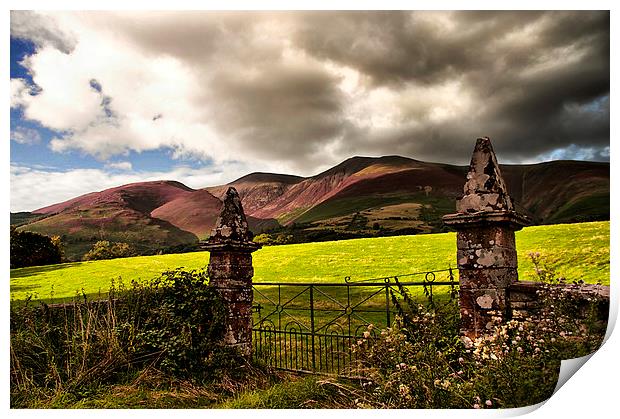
173	324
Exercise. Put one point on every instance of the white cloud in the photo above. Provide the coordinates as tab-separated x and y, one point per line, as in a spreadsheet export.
23	135
146	101
121	165
149	99
66	101
19	92
40	29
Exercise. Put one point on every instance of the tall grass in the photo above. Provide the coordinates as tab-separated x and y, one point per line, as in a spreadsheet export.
55	349
172	323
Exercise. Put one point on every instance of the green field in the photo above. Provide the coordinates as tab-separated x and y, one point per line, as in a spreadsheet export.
577	251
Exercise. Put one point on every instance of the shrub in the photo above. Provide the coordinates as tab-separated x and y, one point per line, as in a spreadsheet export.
264	239
103	249
33	249
284	239
179	248
181	320
571	310
545	272
275	239
423	363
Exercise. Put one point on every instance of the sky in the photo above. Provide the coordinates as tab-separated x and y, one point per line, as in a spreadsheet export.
100	99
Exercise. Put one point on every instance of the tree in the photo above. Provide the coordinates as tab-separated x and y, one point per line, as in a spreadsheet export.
103	249
57	241
33	249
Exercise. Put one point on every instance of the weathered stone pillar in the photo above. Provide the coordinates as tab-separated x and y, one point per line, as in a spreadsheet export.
230	271
486	254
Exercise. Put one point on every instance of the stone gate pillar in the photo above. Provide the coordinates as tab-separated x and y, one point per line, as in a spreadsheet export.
230	271
485	222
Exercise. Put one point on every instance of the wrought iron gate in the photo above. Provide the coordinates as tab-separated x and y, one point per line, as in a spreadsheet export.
311	327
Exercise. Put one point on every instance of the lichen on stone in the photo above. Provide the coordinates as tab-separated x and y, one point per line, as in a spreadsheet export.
485	301
485	189
231	225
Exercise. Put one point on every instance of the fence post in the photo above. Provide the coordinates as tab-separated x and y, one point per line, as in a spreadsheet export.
387	305
312	330
230	271
485	222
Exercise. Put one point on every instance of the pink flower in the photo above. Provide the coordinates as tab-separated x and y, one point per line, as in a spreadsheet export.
489	403
403	389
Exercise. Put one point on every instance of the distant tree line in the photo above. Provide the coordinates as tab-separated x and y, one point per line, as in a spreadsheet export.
273	239
104	249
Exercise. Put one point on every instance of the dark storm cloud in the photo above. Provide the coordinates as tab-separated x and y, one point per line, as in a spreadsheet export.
536	76
289	113
398	47
197	37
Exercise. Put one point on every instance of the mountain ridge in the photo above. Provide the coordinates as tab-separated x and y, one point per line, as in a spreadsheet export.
361	196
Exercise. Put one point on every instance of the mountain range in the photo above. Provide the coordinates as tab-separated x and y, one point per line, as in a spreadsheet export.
360	197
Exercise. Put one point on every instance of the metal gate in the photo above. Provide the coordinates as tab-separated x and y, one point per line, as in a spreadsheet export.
311	327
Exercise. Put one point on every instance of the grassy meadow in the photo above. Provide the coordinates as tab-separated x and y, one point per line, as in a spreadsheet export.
577	251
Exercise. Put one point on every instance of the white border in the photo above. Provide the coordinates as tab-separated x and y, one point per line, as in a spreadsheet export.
591	393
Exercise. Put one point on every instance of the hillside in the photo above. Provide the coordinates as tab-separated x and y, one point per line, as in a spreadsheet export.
197	212
149	215
360	197
310	192
143	197
117	214
561	191
389	195
257	190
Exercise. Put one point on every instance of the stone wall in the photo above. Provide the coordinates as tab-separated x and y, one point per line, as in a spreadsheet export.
526	299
